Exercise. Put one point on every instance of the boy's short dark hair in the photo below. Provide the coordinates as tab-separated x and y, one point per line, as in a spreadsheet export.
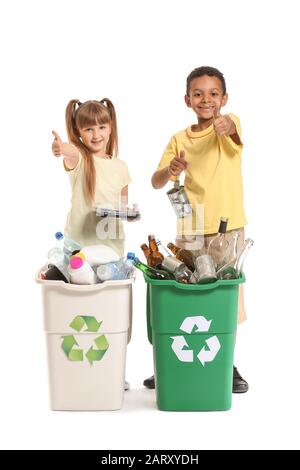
205	70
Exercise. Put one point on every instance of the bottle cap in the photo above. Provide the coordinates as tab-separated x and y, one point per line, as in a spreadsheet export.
136	260
223	225
76	262
75	252
130	255
79	254
59	236
104	272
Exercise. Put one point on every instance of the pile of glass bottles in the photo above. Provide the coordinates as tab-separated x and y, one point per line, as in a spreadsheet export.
221	260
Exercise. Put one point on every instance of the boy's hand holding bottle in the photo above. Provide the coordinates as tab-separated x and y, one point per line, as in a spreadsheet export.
178	164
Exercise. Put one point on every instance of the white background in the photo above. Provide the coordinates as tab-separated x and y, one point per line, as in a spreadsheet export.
138	53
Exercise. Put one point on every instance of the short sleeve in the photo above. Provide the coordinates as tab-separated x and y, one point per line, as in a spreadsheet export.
229	140
126	179
170	152
73	173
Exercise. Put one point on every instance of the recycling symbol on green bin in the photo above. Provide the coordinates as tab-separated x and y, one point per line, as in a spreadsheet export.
69	342
187	355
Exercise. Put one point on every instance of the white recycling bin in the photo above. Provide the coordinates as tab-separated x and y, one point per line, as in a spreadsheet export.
87	330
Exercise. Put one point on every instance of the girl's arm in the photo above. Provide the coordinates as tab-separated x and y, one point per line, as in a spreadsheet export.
124	198
68	151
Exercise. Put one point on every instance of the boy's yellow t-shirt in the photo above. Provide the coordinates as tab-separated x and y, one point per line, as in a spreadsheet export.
111	177
213	179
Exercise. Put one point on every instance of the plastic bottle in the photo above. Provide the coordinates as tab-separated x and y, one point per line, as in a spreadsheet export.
153	273
81	272
99	254
117	270
59	255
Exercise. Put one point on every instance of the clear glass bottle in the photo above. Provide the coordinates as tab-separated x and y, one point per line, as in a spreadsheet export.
218	246
233	268
232	247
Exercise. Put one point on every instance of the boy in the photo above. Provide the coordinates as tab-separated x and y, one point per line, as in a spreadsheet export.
209	153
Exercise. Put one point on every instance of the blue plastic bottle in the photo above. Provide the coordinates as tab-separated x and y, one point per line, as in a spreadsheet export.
61	252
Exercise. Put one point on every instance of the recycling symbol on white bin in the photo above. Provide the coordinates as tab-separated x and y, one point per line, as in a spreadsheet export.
187	355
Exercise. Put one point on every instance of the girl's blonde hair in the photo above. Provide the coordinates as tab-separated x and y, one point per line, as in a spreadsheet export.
82	115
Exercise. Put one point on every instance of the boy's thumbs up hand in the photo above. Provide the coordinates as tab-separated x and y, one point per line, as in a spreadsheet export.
178	164
57	145
223	125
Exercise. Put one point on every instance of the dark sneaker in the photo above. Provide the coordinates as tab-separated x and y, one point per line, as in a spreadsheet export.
239	385
150	382
126	386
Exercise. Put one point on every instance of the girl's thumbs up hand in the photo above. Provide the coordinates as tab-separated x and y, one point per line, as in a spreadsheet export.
57	145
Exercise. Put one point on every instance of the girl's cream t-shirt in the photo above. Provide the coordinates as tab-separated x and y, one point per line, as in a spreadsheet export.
82	223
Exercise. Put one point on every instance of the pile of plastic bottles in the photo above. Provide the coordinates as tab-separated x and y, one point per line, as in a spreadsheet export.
69	262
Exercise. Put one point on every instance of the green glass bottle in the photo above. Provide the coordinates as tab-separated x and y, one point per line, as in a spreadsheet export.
153	273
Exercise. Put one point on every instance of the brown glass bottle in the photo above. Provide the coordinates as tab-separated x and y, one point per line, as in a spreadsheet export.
146	251
155	258
183	255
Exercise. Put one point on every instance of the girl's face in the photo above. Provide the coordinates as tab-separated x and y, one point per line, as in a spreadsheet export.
206	96
96	138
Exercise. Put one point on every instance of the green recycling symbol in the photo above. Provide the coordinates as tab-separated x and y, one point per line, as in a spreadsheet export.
187	355
69	342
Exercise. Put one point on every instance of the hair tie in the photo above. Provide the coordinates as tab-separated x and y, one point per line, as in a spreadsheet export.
78	103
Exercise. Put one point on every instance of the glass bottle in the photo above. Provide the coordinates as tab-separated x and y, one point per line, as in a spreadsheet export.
155	258
232	247
168	252
183	255
153	273
233	268
146	250
218	246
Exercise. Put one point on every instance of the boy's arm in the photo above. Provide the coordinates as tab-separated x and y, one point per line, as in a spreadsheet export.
160	178
224	125
68	151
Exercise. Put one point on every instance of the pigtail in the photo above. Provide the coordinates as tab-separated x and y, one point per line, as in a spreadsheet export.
113	148
74	138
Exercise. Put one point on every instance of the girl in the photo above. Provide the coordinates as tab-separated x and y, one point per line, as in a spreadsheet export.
97	176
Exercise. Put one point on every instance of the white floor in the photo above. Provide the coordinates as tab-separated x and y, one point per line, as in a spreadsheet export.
266	417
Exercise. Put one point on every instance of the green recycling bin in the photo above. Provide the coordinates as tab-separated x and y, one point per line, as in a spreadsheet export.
191	328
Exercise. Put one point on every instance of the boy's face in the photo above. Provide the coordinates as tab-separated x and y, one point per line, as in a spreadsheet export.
206	97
